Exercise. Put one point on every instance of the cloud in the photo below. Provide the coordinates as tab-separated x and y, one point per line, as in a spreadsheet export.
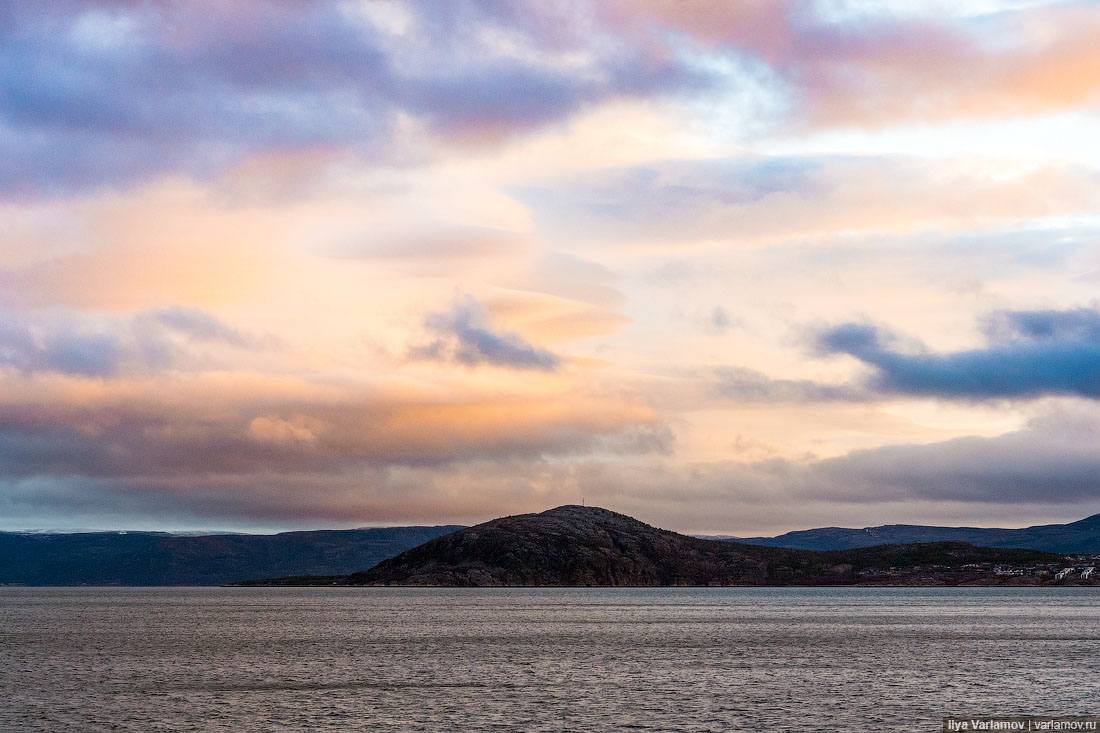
198	325
227	446
433	249
752	200
747	385
1030	354
1048	461
873	65
466	338
898	71
1043	325
719	320
1048	467
66	342
196	454
112	93
107	93
116	437
107	256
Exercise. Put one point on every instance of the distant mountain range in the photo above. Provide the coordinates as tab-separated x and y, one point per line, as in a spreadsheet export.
157	558
1082	536
589	546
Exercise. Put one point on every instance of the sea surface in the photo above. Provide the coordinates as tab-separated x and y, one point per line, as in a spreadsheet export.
306	659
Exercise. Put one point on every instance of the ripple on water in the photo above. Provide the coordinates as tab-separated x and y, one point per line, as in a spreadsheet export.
540	660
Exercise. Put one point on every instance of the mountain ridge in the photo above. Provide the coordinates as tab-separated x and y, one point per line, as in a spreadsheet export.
138	558
591	546
1081	536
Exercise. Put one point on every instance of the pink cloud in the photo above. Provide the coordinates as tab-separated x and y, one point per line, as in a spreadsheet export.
884	69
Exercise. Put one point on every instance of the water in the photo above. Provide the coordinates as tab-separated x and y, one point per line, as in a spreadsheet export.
221	659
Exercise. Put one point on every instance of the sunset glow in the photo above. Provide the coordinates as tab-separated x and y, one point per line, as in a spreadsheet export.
732	268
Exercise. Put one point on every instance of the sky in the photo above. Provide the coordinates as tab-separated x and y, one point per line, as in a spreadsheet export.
730	268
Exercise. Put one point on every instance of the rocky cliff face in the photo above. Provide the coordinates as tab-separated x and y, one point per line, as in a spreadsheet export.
582	546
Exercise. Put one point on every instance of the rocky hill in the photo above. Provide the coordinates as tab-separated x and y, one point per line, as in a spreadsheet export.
588	546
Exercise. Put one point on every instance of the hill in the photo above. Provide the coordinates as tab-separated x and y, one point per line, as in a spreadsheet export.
157	558
589	546
1082	536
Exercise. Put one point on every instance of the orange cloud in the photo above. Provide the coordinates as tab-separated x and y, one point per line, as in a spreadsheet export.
552	320
242	424
169	245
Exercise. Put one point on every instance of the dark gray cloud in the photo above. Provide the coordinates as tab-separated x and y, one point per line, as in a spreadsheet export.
108	93
70	343
1082	324
465	337
1030	354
